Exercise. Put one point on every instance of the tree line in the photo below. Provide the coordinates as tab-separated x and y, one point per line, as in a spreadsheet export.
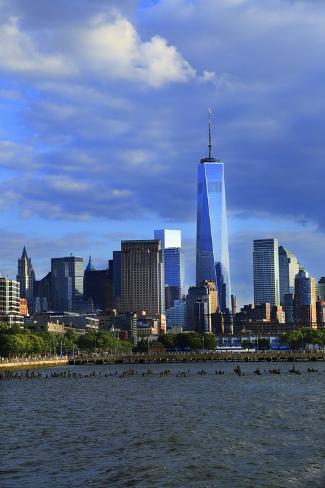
15	341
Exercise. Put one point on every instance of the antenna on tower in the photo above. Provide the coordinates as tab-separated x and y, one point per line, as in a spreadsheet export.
210	142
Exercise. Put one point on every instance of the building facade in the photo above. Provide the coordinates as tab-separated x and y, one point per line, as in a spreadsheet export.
266	271
173	264
321	289
142	277
201	305
26	277
67	276
305	311
98	287
288	268
10	302
212	254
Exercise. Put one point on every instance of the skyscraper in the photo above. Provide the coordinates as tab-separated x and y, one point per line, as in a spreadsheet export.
288	268
26	277
67	275
173	264
142	277
321	289
98	287
266	271
212	254
305	312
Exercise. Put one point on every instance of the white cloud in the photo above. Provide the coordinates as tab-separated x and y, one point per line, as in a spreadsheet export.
104	48
19	53
115	48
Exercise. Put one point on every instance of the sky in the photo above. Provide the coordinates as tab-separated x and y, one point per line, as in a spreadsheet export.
103	121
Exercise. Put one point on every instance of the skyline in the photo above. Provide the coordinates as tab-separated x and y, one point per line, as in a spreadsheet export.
82	133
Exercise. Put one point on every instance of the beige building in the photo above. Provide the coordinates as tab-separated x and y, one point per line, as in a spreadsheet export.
10	302
142	277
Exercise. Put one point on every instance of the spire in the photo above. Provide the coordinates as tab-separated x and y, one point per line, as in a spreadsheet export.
210	141
90	266
24	253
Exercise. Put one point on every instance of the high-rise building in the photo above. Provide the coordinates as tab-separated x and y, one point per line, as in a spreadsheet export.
201	305
288	268
212	254
321	289
98	287
142	277
305	312
42	294
26	277
176	315
173	264
266	271
67	275
10	302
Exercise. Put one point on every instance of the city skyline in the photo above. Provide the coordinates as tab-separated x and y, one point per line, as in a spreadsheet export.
97	147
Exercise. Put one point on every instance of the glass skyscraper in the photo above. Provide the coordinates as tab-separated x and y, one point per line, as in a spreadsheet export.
173	264
288	268
266	271
67	275
212	254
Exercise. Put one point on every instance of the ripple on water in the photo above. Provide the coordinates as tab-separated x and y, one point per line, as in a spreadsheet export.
195	431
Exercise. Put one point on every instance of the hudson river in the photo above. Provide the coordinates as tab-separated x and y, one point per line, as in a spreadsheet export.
195	431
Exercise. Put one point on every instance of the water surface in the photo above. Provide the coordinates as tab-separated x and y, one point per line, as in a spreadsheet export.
197	431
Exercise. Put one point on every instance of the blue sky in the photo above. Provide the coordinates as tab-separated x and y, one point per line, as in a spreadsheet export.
103	114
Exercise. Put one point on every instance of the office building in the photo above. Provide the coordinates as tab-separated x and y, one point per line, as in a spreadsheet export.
67	276
320	306
142	277
26	277
42	294
201	305
176	315
212	255
266	271
98	287
305	312
288	304
288	268
173	264
321	289
10	302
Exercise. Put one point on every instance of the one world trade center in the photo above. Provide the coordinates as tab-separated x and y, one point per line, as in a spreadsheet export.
212	254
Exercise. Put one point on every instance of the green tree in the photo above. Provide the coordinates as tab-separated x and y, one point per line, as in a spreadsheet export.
263	343
210	341
246	344
167	340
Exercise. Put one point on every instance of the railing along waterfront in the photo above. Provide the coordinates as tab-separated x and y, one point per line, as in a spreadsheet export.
32	362
183	357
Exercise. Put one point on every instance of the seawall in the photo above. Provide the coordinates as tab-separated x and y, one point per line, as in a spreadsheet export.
33	363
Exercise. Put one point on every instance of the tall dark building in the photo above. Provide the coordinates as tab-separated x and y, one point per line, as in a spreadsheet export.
67	275
42	294
26	277
115	266
201	305
142	277
98	287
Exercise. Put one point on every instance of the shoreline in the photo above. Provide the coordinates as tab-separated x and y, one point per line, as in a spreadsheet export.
33	363
165	358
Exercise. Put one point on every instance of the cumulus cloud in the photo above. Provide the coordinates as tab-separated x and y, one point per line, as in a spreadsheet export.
108	46
110	115
18	53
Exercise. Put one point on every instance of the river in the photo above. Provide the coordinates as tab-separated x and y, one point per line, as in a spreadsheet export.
184	430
